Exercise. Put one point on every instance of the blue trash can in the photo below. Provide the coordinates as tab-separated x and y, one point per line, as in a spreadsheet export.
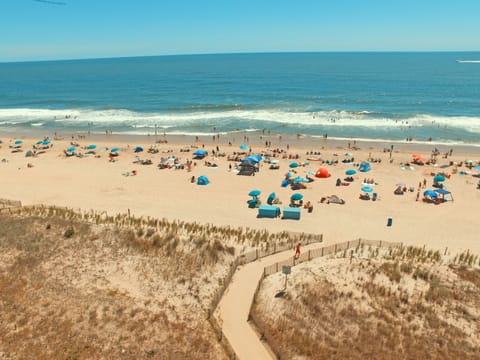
389	222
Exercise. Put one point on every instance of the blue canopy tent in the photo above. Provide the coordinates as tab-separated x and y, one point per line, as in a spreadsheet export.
444	194
203	180
253	158
200	154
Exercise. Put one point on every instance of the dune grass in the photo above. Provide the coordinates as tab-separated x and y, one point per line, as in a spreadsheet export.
407	303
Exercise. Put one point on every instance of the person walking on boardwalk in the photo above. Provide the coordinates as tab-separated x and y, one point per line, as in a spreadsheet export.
297	251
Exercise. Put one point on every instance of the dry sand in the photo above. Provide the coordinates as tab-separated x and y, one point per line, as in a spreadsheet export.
95	183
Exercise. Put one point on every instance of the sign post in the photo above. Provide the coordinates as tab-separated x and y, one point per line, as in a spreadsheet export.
286	269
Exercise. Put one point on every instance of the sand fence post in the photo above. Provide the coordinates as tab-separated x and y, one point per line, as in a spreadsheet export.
445	251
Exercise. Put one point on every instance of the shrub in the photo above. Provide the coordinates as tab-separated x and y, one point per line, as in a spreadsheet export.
68	233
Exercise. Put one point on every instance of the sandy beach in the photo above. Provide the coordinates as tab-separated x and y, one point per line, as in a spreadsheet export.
95	182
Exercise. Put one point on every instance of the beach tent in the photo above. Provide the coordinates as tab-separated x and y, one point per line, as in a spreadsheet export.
268	211
364	167
322	173
200	154
255	159
202	180
291	213
444	194
138	149
430	195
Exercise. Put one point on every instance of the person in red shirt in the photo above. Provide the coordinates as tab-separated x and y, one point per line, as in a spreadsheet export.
297	251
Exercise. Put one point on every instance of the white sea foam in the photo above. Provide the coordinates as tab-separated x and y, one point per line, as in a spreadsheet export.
248	119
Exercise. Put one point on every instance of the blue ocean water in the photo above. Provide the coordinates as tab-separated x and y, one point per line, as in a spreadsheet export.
390	96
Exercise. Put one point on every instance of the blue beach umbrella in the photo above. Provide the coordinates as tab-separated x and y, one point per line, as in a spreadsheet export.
351	172
367	189
254	193
115	149
294	165
244	147
71	149
45	142
29	153
439	178
91	146
477	167
138	149
18	142
296	197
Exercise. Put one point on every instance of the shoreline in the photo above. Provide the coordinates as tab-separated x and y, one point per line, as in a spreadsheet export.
255	138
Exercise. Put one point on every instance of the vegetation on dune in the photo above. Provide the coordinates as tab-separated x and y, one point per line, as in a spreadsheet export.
88	286
407	303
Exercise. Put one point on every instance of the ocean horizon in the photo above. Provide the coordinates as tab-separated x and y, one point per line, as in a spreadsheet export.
424	96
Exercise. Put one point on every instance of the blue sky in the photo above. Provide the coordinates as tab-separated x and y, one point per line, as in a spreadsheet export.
32	30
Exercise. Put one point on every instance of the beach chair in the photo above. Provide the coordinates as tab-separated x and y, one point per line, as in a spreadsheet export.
374	197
